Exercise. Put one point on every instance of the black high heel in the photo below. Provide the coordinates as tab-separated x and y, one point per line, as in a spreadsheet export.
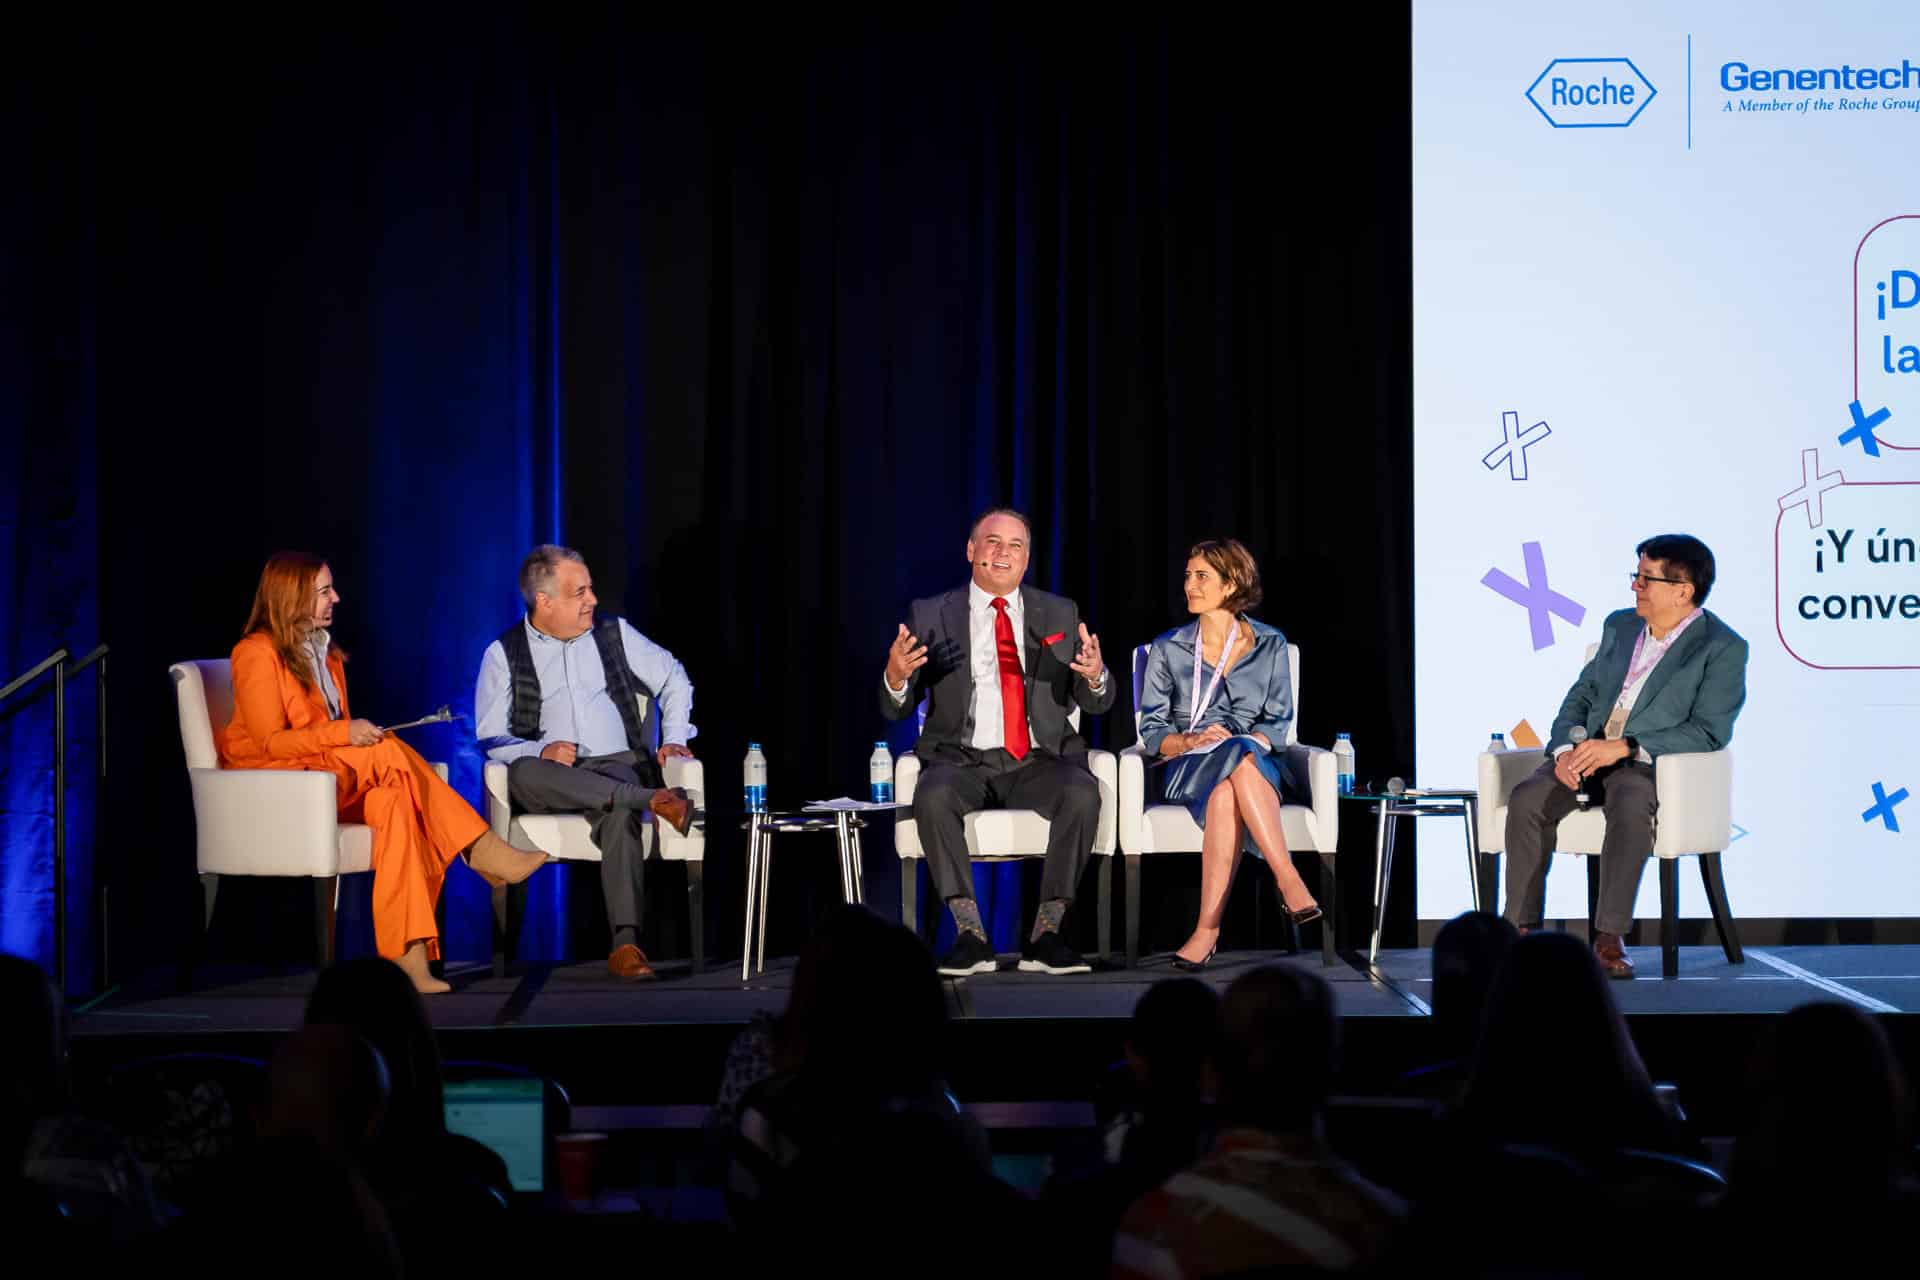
1185	965
1305	915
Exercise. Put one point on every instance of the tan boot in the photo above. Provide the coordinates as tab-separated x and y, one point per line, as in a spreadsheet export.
498	862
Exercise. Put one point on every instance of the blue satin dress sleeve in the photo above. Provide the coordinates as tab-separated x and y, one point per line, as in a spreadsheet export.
1256	693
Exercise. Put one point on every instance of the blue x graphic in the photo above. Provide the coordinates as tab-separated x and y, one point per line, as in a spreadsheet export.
1536	597
1883	806
1512	450
1862	428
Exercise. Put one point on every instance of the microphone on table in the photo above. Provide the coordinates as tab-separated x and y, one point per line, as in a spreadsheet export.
1578	735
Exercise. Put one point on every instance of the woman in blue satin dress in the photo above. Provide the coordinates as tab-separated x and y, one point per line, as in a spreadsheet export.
1215	704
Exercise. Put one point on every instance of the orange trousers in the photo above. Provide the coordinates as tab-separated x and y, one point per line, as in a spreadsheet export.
420	824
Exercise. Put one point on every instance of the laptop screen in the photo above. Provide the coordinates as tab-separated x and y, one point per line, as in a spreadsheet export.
510	1116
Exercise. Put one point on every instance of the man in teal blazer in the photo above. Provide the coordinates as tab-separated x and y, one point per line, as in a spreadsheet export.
1668	676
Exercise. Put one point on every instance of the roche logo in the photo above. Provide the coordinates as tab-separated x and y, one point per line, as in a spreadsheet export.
1591	93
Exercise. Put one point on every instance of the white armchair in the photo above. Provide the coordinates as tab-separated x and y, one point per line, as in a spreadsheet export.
262	822
1169	828
1001	835
568	837
1694	791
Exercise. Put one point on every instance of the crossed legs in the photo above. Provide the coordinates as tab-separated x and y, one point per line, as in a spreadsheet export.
1243	804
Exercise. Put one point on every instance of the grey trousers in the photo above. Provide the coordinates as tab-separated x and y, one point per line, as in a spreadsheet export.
1625	791
588	786
1059	790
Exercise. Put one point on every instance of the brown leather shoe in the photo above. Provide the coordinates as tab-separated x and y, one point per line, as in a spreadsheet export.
1611	955
630	963
671	806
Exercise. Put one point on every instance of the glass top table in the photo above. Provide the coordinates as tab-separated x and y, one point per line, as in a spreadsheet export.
761	828
1418	802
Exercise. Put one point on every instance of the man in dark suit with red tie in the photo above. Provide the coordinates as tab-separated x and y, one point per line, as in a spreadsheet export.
1001	665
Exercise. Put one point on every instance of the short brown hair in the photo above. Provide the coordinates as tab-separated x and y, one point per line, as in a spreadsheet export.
1234	563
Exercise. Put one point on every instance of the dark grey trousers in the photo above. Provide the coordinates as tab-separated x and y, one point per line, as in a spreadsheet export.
1059	790
1625	791
587	787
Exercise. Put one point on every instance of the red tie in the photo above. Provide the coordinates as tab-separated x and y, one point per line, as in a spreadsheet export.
1013	684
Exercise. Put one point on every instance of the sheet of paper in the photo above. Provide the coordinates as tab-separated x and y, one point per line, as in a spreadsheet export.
846	804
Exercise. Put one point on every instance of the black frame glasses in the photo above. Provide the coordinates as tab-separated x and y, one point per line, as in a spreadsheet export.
1641	579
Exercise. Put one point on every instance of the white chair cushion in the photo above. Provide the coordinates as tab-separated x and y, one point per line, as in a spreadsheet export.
1005	833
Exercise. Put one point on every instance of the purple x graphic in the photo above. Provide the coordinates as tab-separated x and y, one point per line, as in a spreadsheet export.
1535	596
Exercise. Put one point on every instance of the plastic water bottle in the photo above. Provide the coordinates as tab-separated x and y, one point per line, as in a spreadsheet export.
1498	743
1343	762
755	773
880	774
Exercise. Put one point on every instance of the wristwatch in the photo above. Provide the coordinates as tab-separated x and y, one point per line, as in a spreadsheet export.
1633	746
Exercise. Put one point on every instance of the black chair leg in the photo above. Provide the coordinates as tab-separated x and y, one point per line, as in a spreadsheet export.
209	890
910	895
1669	917
1327	914
1593	892
697	913
1106	908
323	905
1133	910
502	949
1722	913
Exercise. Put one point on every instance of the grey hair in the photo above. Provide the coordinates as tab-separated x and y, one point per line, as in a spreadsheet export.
538	569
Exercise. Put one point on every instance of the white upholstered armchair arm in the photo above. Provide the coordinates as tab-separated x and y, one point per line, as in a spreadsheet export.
1500	772
690	775
1133	800
499	807
1695	789
1106	771
266	822
1321	772
906	776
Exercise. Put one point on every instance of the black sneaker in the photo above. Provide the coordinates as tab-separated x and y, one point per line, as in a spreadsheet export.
971	954
1049	953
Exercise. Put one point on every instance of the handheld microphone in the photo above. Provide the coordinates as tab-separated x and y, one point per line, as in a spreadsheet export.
1578	735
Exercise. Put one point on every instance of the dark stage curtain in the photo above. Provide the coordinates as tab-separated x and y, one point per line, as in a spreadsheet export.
756	325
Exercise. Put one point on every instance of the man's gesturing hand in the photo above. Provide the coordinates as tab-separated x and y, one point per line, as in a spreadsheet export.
905	656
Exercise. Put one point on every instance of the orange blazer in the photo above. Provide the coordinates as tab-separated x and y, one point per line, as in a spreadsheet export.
279	723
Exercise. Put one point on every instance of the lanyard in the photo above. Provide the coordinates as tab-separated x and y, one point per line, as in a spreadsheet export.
1658	650
1195	703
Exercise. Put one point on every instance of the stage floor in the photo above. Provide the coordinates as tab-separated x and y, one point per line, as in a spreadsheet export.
1026	1048
1880	979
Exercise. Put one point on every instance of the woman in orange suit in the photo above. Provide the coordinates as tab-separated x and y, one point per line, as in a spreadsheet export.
290	712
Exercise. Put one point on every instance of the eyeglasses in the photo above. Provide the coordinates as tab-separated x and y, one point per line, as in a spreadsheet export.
1638	579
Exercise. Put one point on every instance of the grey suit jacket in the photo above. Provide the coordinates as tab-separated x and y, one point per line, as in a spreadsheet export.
1689	700
940	623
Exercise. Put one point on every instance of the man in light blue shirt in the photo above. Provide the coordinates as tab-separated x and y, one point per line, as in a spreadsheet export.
560	699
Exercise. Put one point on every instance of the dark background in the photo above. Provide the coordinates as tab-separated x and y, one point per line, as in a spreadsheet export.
757	322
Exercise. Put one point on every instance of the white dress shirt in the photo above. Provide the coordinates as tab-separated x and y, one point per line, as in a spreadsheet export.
319	641
983	663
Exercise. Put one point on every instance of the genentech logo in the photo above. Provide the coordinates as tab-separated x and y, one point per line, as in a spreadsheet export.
1591	93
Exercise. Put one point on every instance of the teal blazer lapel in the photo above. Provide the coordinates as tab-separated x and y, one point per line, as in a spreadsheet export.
1685	651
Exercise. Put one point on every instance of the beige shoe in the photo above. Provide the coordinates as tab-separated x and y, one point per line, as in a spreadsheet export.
499	863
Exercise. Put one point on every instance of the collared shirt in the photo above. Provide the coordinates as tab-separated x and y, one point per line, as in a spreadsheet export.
983	663
1649	653
575	705
319	641
983	657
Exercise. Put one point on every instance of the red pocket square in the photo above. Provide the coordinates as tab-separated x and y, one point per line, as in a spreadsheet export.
1055	637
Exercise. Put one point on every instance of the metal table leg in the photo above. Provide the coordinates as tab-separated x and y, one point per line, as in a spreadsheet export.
859	870
840	833
753	890
1382	874
766	881
1473	854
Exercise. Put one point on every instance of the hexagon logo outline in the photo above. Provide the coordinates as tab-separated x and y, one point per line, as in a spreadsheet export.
1652	93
